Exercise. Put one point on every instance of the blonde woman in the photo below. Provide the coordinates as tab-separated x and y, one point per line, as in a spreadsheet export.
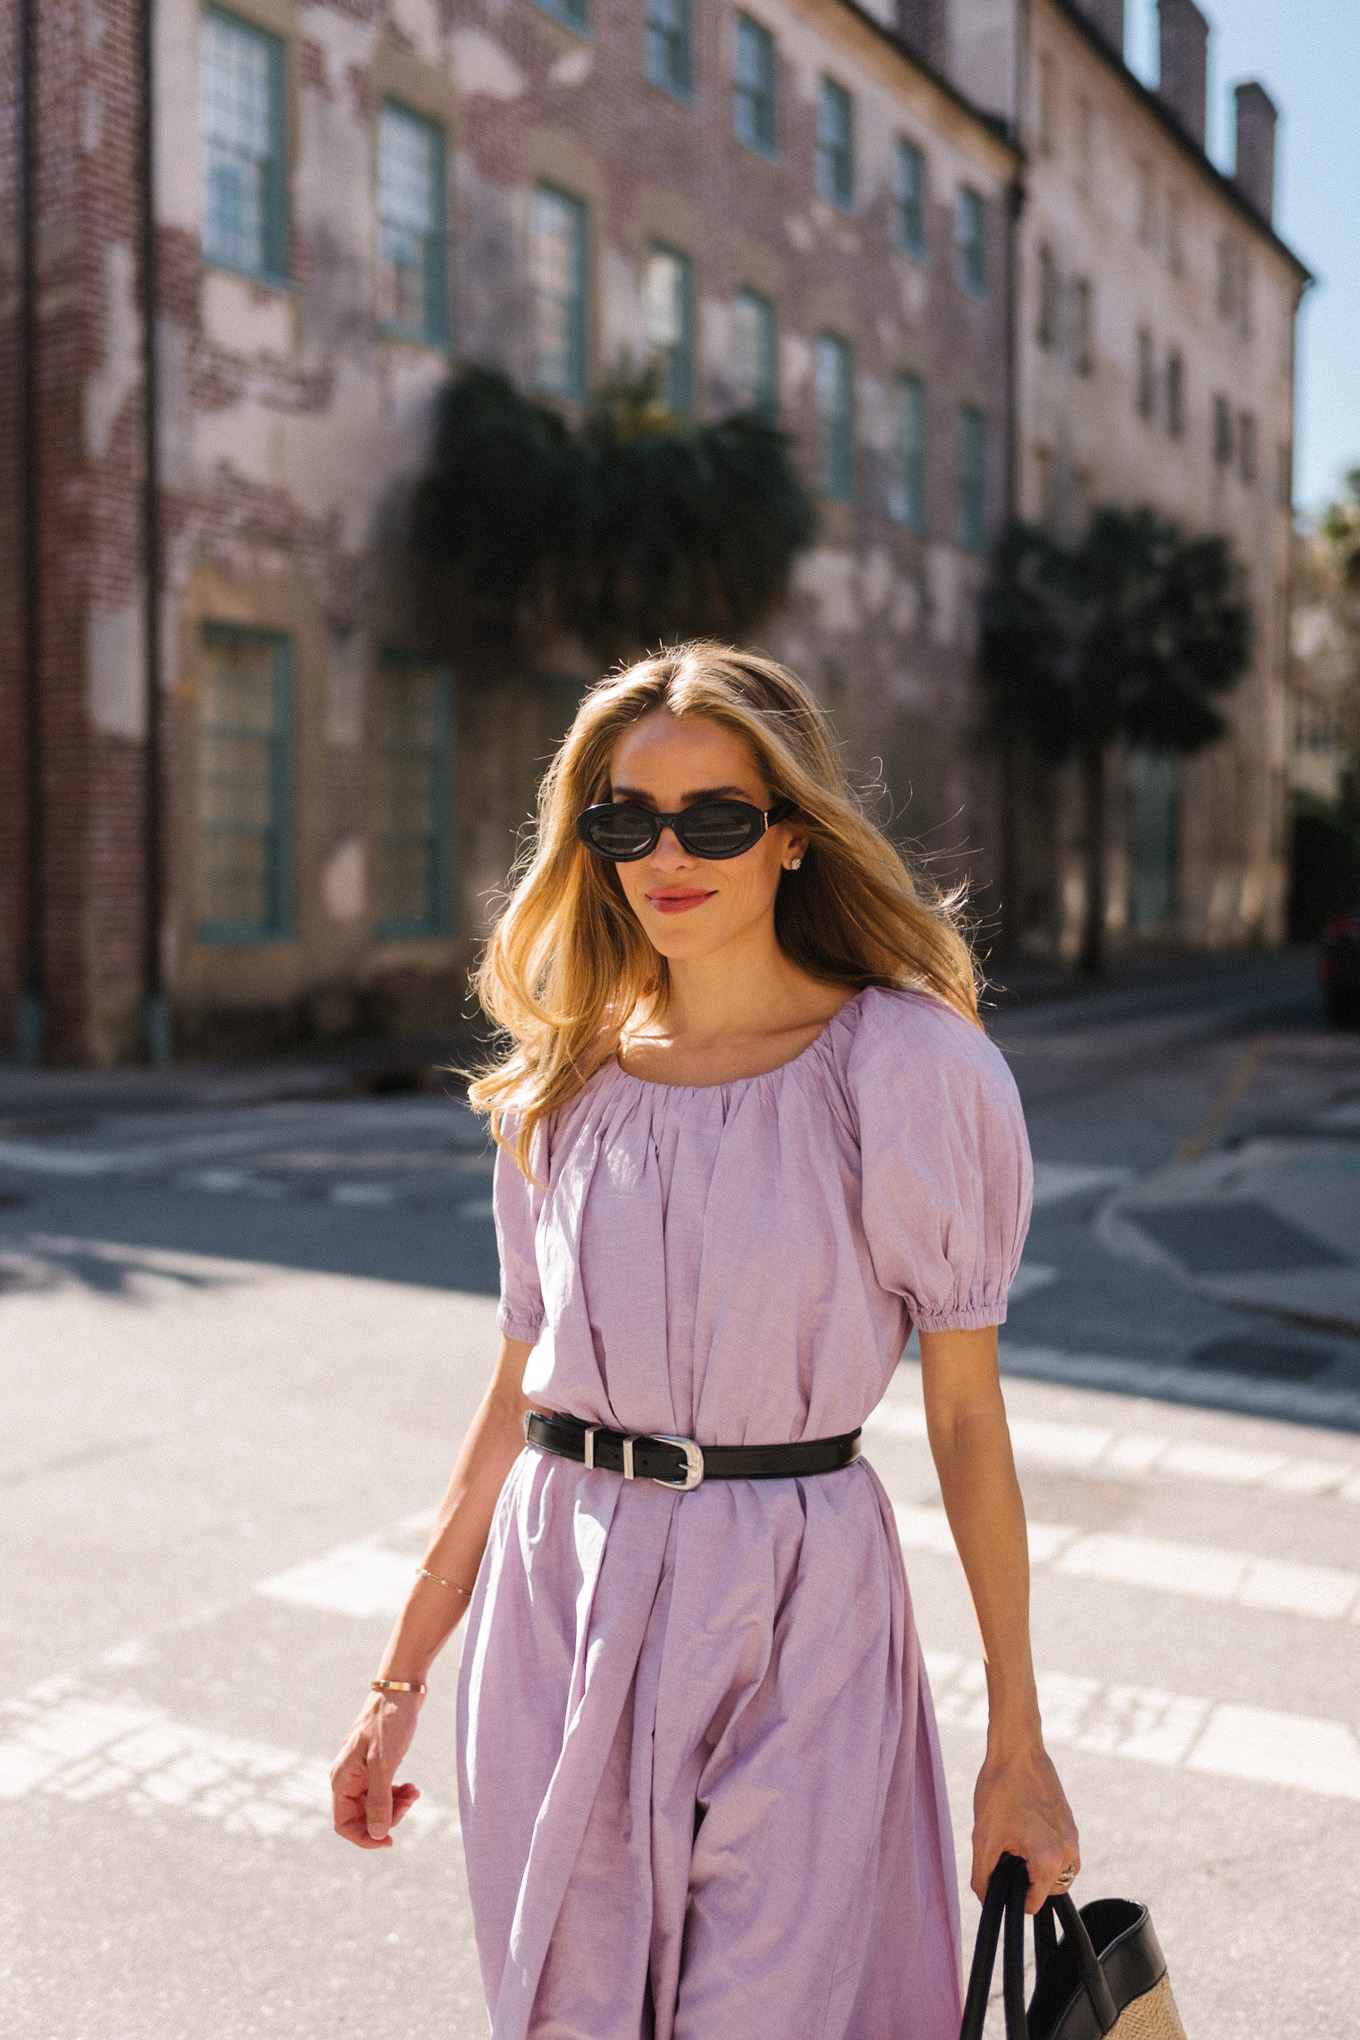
751	1132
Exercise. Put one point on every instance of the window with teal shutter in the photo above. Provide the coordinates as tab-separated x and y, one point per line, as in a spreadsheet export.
834	389
754	112
970	240
413	800
241	111
907	496
669	53
668	302
245	786
411	233
558	267
754	355
836	145
909	198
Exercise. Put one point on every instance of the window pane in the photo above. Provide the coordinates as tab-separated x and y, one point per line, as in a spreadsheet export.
558	264
833	377
754	103
907	499
754	365
241	113
910	197
242	765
668	44
970	232
668	302
972	478
835	145
410	223
410	882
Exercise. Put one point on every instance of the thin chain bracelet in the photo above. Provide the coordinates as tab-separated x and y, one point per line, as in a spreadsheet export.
423	1573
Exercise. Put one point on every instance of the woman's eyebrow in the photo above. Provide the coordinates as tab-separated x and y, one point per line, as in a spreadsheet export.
641	799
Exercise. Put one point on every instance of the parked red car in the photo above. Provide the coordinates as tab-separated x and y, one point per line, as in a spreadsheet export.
1339	967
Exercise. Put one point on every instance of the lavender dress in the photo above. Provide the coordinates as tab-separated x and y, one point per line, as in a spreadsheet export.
701	1788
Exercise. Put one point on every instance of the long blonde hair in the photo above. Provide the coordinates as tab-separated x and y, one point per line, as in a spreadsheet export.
568	964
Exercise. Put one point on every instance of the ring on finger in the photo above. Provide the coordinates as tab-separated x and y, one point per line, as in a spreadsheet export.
1066	1877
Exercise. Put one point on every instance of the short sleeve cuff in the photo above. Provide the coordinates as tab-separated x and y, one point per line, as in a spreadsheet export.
976	1318
518	1324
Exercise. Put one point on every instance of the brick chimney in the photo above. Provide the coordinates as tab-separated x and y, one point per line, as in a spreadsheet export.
923	26
1107	18
1254	174
1185	64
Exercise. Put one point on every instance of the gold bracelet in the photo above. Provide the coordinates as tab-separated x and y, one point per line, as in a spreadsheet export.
396	1685
423	1573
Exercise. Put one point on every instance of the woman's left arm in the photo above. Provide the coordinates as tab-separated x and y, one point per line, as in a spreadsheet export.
1019	1804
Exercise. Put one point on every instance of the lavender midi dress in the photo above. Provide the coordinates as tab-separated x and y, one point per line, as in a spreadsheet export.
701	1788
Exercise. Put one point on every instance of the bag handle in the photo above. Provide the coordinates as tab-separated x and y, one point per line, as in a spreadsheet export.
1005	1900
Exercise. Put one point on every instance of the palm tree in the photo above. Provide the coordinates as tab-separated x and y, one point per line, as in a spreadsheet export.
1130	636
633	528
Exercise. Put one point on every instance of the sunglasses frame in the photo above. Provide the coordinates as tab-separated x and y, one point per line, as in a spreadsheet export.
780	812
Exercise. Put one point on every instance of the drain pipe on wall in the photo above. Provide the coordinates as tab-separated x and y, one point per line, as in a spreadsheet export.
155	1005
29	1018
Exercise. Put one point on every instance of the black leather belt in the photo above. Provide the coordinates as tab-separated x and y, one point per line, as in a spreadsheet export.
679	1462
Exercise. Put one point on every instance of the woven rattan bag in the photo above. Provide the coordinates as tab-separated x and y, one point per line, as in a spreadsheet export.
1107	1975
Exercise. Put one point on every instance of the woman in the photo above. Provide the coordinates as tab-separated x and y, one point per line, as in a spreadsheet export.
750	1131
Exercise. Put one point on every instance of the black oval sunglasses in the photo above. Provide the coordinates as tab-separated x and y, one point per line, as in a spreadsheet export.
710	829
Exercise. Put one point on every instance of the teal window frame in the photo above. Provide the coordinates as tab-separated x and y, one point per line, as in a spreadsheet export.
970	240
272	267
434	328
574	382
438	917
676	357
571	13
834	377
911	198
907	497
836	145
972	478
668	46
278	923
755	88
764	387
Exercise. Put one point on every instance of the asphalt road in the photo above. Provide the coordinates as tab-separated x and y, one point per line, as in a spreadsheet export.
238	1346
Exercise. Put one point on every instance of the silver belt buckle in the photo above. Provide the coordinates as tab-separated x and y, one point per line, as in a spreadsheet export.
694	1462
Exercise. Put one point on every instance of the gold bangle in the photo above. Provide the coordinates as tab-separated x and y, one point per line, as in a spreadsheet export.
397	1685
423	1573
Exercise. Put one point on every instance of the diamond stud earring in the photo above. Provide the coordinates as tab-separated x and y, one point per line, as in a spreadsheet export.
793	864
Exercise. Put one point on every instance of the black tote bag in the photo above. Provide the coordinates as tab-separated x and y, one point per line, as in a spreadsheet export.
1107	1975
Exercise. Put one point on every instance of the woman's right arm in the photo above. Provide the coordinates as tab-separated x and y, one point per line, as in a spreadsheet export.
367	1806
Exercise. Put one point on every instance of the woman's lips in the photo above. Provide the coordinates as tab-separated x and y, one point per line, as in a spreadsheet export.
676	902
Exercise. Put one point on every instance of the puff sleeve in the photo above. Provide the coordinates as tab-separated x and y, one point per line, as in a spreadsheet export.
947	1177
515	1204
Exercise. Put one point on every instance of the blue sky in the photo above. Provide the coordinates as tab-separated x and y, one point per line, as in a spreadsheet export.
1307	55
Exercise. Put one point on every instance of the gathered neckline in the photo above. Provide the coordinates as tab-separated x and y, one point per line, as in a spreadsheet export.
760	1076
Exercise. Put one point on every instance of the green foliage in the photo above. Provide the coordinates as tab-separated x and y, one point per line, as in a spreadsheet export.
1341	533
1132	635
634	529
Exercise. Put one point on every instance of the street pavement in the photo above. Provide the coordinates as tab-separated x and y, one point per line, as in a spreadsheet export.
241	1334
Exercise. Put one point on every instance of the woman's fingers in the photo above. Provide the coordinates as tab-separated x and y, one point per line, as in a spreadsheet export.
1020	1810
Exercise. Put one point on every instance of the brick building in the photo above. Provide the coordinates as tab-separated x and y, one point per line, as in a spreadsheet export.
1155	314
781	205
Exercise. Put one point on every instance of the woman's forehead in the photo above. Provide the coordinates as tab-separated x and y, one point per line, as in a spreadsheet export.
664	745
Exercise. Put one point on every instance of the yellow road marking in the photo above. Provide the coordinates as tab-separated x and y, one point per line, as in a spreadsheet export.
1224	1105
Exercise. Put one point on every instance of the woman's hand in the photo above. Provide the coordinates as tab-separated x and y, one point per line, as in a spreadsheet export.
366	1803
1019	1808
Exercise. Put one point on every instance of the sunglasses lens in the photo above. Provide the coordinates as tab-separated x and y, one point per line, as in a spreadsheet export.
618	831
721	828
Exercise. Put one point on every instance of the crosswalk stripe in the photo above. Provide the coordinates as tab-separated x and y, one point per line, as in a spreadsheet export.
1199	1572
1178	1730
65	1738
1081	1448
